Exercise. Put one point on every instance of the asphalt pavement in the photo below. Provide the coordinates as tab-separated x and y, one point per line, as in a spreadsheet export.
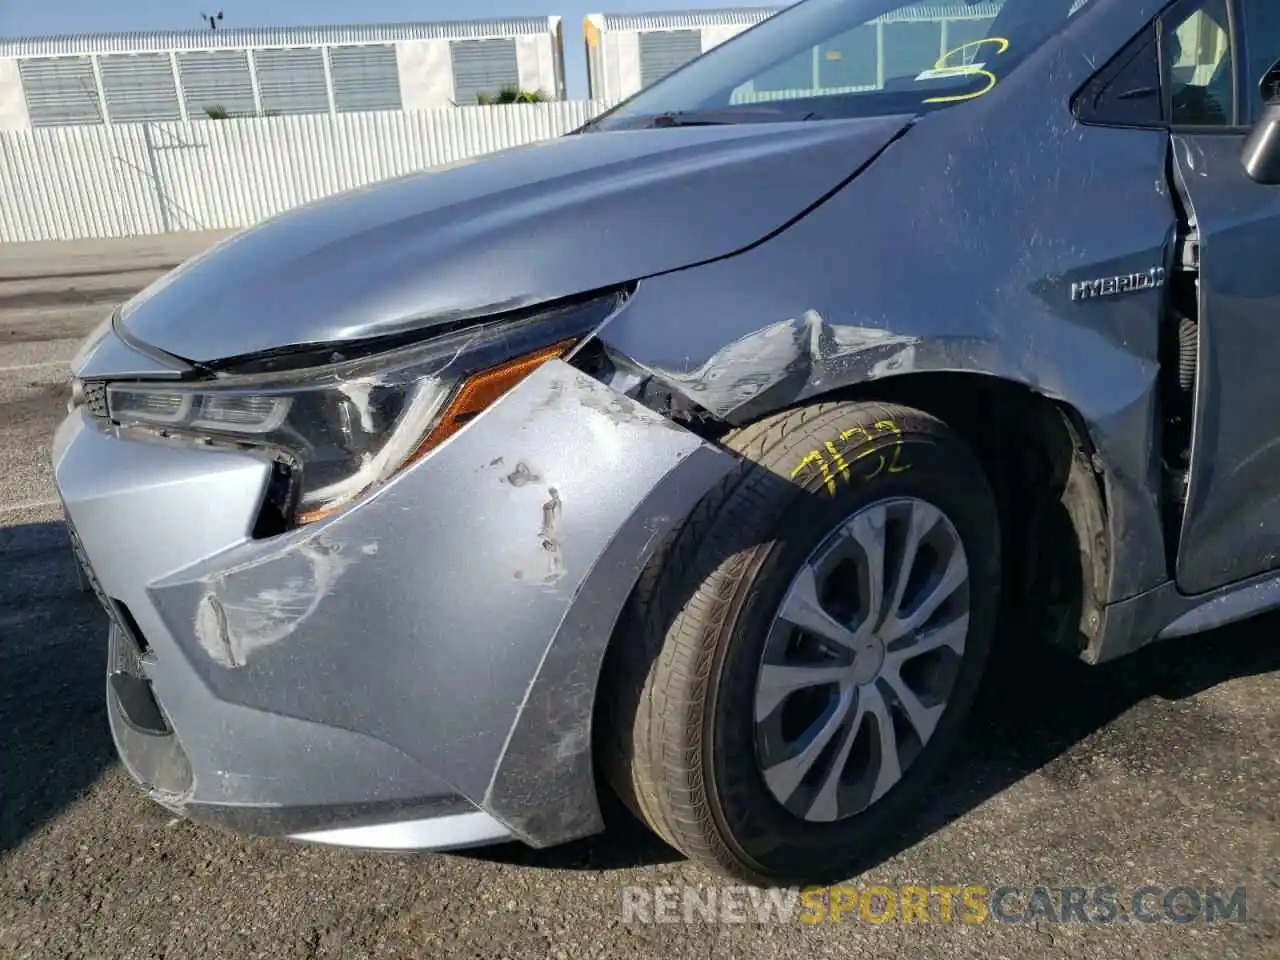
1159	771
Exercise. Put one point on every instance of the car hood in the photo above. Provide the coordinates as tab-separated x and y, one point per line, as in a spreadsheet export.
500	232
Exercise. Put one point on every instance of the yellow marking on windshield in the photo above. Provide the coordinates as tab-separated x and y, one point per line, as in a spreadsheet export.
943	69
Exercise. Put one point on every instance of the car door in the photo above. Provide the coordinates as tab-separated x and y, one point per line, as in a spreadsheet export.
1215	54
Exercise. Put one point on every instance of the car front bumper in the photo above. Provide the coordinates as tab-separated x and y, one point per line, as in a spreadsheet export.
415	672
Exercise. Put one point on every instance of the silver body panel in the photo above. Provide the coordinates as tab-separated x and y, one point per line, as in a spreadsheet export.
509	230
352	661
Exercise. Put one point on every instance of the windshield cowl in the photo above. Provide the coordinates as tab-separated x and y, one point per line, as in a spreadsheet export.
710	118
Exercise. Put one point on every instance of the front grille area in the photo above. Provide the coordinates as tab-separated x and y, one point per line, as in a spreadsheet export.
120	616
82	558
95	398
126	679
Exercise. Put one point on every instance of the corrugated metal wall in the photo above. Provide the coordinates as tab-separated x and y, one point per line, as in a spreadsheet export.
483	66
60	90
292	80
164	41
662	51
365	78
84	182
685	19
217	79
138	87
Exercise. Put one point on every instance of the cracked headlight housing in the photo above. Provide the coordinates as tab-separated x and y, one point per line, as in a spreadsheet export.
337	429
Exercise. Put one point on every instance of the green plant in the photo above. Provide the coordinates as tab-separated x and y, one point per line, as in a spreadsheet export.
511	95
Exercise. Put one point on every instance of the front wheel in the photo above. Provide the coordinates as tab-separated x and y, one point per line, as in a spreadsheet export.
795	671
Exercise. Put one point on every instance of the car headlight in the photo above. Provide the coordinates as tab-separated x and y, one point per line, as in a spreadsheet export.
338	429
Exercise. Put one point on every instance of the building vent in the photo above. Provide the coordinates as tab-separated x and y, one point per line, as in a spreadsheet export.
60	91
482	66
216	78
291	80
365	78
139	87
662	51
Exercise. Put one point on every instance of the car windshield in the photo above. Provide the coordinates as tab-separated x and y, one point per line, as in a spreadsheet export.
825	59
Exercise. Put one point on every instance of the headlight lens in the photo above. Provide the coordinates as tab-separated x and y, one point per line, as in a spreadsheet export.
340	429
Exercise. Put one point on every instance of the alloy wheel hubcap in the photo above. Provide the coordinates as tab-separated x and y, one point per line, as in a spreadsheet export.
861	658
868	659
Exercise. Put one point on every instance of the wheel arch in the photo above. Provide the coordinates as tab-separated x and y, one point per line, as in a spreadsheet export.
1046	472
1044	469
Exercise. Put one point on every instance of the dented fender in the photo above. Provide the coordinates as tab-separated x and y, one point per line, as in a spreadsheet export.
953	252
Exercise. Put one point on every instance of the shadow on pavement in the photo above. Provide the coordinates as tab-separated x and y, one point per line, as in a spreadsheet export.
54	738
1035	710
1036	705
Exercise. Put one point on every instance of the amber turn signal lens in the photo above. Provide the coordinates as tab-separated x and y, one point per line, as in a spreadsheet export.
481	390
477	392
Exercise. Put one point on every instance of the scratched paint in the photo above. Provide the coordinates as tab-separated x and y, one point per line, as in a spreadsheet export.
231	624
804	349
551	536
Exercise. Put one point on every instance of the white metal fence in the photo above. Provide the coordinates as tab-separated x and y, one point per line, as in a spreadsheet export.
114	181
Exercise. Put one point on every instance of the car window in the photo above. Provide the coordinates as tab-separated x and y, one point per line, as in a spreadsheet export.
1127	91
1261	30
1199	70
824	59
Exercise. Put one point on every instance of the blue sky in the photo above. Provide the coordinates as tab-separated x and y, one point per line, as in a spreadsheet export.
25	18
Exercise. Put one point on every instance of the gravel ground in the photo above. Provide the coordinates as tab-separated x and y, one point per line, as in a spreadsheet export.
1161	769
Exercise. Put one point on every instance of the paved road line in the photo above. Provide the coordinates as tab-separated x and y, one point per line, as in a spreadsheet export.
28	505
36	366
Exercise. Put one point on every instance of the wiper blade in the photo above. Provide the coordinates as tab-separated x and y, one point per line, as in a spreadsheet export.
725	116
707	117
682	119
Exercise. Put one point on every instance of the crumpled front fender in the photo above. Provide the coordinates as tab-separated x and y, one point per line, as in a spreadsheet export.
952	252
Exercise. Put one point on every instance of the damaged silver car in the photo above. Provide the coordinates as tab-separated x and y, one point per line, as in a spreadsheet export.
700	454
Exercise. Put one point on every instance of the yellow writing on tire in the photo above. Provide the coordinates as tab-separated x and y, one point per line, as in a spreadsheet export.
833	464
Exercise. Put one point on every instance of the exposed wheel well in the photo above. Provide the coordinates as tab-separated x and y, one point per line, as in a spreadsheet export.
1045	474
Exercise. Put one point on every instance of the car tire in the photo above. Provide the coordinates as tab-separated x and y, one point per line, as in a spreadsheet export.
691	738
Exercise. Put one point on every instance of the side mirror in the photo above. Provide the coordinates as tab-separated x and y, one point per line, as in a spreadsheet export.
1261	153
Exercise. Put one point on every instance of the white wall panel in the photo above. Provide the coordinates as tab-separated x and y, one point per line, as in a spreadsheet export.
426	74
535	61
99	181
13	105
713	36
